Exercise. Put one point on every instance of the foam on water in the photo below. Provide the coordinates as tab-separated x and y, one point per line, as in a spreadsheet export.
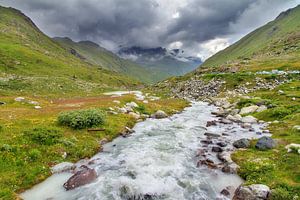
156	162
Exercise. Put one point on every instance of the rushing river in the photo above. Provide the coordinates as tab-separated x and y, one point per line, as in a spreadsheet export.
158	161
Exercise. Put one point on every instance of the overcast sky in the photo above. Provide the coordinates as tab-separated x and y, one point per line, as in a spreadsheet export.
200	27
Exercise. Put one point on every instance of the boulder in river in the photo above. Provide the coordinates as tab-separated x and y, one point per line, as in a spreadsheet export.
265	143
228	191
159	115
242	143
252	192
81	178
225	157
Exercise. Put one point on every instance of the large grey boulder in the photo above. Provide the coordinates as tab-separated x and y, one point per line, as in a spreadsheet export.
159	115
265	143
81	178
252	192
242	143
248	110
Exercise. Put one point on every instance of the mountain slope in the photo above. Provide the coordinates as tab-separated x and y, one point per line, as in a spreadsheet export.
96	55
30	61
172	63
275	45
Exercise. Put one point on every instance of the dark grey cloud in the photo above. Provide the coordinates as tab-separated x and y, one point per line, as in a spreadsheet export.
201	27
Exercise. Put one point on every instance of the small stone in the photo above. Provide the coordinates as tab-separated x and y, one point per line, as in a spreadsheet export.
211	123
231	168
249	109
212	134
249	119
159	115
132	105
262	108
62	167
116	101
296	128
20	99
134	115
217	149
242	143
37	107
222	144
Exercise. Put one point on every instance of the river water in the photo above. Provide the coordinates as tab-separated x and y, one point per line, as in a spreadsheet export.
158	161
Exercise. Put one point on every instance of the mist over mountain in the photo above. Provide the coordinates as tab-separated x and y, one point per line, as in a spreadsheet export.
172	62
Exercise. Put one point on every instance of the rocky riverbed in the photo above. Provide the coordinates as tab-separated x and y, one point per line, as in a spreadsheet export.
186	156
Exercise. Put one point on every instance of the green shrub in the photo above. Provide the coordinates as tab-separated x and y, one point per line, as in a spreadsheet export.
280	112
44	135
282	193
80	119
34	154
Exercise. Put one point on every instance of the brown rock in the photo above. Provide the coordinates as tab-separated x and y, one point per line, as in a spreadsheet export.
81	178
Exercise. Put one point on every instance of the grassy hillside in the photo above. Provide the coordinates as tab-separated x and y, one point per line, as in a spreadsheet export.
96	55
273	46
31	62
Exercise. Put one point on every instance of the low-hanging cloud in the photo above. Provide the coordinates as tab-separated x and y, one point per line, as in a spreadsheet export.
199	26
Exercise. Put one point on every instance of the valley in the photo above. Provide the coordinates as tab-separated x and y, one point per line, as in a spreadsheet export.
145	123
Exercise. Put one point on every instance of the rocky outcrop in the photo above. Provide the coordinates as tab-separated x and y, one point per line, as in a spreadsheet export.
265	143
252	192
81	178
249	119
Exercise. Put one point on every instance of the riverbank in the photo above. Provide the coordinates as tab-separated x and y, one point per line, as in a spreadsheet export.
24	163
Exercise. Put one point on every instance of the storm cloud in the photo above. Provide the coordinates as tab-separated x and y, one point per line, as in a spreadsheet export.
200	27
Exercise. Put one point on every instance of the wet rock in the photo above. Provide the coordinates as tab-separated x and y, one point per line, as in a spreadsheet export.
265	143
206	141
213	135
128	131
221	144
248	110
81	178
235	118
246	125
228	191
207	162
220	113
231	168
201	152
225	121
62	167
225	157
252	192
217	149
249	119
242	143
211	123
159	115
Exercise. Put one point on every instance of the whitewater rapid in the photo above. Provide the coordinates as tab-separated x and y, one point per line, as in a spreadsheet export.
158	161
